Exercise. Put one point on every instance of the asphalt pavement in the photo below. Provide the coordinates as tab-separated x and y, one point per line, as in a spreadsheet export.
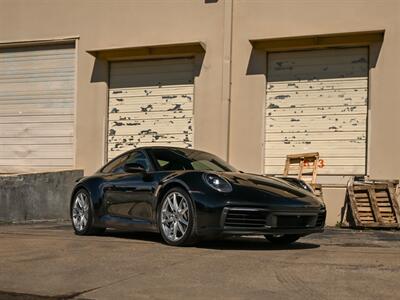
47	261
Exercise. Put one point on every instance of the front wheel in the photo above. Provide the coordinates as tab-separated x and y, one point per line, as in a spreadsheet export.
176	218
282	239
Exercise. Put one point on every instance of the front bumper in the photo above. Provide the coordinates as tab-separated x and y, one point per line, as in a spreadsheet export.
261	221
228	215
243	220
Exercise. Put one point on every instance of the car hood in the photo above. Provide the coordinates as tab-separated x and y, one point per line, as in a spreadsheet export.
270	188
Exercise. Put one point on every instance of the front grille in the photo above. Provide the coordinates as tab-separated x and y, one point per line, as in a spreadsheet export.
321	219
245	218
293	221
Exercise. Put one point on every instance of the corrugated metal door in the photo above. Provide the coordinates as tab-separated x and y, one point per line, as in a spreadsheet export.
37	92
150	103
317	101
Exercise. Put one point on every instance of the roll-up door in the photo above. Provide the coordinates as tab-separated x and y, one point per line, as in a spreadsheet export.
317	101
37	92
150	103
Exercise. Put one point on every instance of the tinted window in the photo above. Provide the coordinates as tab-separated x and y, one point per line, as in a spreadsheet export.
115	164
177	159
138	158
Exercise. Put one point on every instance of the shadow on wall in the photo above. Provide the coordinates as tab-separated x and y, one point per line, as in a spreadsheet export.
258	64
101	72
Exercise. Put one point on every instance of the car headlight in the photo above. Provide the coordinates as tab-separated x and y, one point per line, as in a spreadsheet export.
217	183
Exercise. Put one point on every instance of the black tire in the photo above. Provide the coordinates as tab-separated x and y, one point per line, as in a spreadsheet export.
284	239
189	237
89	228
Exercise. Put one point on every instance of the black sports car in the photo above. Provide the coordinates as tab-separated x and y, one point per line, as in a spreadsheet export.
188	194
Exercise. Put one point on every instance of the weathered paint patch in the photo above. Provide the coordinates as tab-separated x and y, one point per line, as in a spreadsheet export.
273	105
168	97
147	108
176	108
280	97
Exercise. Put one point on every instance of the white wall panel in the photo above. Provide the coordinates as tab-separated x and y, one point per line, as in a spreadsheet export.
316	101
150	103
37	95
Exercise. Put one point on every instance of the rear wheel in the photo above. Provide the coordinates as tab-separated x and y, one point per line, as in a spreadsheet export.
282	239
176	218
82	214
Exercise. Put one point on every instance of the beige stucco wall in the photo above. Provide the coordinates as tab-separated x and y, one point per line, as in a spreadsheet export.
106	24
287	18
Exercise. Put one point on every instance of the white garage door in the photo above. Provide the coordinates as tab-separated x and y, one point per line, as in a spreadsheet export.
37	92
317	101
150	103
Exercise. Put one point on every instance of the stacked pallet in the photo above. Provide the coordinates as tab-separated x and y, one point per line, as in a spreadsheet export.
371	204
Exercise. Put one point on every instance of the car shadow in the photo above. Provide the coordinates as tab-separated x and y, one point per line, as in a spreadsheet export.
252	243
228	243
134	235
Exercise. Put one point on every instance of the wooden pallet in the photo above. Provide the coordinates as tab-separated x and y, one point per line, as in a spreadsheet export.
303	165
371	204
317	190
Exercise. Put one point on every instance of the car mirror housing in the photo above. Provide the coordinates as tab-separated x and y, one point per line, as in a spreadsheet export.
134	168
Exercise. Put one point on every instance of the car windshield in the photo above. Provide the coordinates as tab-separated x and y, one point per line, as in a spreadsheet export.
183	159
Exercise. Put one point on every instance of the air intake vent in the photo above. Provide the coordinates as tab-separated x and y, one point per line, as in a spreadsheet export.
294	221
246	218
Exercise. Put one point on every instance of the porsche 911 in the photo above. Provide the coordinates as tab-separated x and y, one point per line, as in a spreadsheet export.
188	195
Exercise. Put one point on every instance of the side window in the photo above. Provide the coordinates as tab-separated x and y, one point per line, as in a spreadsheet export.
113	165
138	158
171	160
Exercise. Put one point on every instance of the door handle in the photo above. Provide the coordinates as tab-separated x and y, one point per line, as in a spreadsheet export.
110	187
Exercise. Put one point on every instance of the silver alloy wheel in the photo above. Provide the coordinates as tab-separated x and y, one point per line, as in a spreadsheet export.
80	211
175	216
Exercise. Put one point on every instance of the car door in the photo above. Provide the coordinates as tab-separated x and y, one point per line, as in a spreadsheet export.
130	195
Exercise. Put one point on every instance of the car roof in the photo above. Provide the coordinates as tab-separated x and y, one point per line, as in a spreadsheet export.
167	148
145	148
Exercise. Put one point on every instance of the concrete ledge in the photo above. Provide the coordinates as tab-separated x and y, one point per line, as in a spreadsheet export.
36	196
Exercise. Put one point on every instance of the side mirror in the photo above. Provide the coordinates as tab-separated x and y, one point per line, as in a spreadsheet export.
134	168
